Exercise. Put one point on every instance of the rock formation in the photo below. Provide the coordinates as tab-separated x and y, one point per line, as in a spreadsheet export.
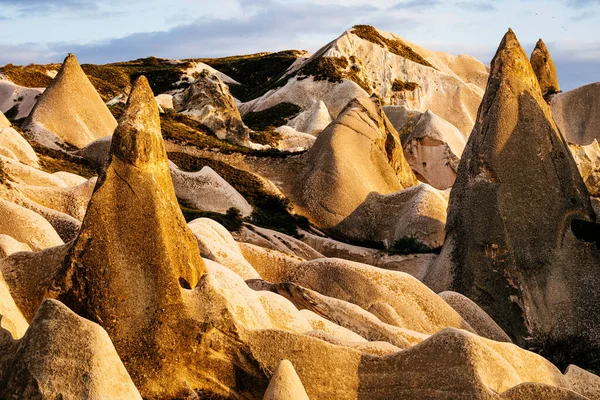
419	224
545	70
357	154
205	190
285	384
62	356
432	146
351	66
313	120
14	146
208	101
70	110
4	123
17	100
510	245
134	202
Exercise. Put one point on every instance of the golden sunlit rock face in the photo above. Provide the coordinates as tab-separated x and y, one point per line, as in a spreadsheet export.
175	258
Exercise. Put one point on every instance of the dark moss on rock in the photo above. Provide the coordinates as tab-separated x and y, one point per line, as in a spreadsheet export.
273	117
256	73
400	86
371	34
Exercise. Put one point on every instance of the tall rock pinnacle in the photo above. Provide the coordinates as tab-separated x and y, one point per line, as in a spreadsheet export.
135	255
70	110
509	239
544	69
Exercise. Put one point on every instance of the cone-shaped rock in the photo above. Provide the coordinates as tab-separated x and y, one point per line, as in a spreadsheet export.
70	109
544	69
509	234
62	356
285	384
358	153
134	252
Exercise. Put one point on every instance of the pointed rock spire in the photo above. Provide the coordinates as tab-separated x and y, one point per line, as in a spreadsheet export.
134	255
544	69
509	234
285	384
138	140
70	110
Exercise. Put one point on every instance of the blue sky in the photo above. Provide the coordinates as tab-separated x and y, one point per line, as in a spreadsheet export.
113	30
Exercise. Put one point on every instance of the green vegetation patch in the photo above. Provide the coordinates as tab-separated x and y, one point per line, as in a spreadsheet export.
371	34
400	86
257	73
270	210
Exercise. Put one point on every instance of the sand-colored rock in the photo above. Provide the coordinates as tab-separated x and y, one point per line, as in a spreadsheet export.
134	203
11	318
312	120
70	179
432	146
285	384
587	158
583	382
419	225
4	122
63	356
10	245
208	101
165	101
357	154
545	70
483	324
275	240
395	298
72	201
293	140
217	244
577	115
205	190
70	110
21	173
13	145
65	225
27	226
270	264
509	237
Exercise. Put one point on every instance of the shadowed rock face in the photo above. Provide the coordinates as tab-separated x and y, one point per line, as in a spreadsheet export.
134	251
509	234
70	110
545	70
